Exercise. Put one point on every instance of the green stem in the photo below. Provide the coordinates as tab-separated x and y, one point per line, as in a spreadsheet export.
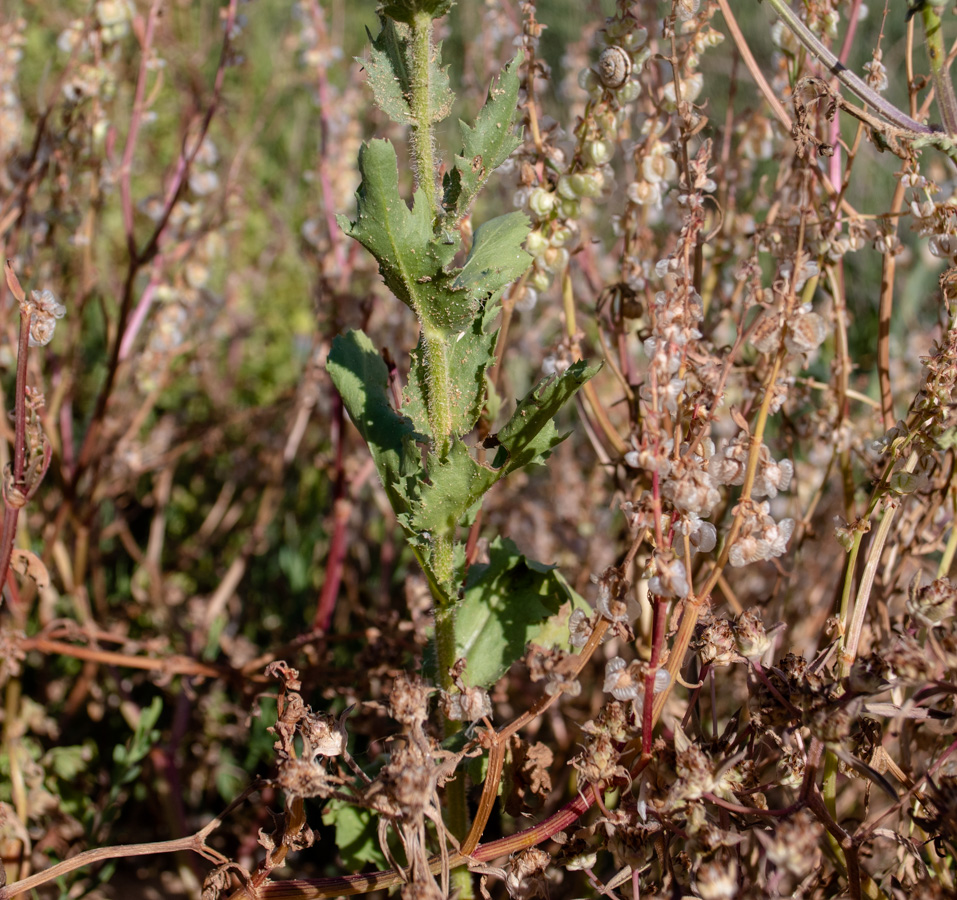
439	405
937	55
848	586
423	150
456	791
829	793
438	400
438	396
445	645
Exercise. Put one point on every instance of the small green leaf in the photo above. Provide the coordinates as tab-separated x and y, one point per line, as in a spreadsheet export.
486	145
388	71
361	377
508	603
68	762
496	258
356	835
530	434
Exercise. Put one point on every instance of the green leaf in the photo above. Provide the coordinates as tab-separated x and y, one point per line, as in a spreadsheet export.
457	482
67	763
361	377
530	434
391	79
486	145
356	835
412	262
127	758
508	603
496	258
415	263
388	71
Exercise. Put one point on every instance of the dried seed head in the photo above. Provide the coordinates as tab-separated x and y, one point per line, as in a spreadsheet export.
833	724
422	889
695	777
467	705
715	643
598	763
612	600
749	635
791	768
622	681
322	736
908	661
933	604
794	846
405	786
579	628
525	874
45	310
717	880
304	778
869	674
409	700
671	578
806	332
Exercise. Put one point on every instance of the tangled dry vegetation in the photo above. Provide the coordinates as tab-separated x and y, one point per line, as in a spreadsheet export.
237	663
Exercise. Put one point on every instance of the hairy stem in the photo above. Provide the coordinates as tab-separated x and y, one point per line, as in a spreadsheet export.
423	149
438	396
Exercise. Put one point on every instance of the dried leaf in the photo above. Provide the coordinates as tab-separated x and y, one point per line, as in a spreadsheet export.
25	562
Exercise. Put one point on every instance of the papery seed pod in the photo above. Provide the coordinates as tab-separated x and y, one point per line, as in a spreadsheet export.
614	67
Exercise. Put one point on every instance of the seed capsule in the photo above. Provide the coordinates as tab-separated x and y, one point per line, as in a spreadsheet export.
614	67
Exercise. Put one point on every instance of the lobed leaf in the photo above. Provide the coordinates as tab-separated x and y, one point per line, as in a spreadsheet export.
415	264
530	434
388	71
486	145
496	258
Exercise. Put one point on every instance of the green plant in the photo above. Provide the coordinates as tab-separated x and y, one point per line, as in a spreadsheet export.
456	306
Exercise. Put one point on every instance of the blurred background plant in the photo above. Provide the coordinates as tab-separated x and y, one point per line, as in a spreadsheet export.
778	355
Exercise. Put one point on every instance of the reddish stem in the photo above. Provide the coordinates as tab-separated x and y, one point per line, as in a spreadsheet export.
340	517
